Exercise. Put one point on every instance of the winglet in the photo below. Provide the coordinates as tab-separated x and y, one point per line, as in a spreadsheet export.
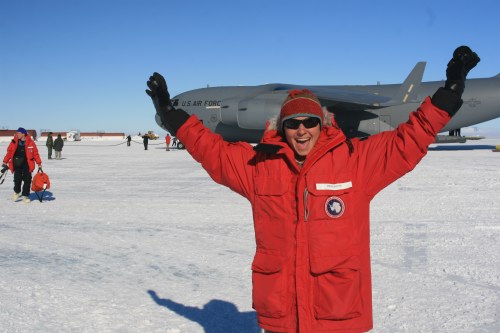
408	91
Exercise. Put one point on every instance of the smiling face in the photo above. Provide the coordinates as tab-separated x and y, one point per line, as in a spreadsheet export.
302	140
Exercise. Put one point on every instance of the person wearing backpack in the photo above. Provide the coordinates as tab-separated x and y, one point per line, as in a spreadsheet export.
58	146
22	153
145	140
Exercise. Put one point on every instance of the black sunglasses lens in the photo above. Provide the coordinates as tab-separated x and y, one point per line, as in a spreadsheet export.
292	123
310	122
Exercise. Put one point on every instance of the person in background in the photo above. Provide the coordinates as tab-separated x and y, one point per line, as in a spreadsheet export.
22	153
58	146
145	141
167	141
310	190
129	138
50	144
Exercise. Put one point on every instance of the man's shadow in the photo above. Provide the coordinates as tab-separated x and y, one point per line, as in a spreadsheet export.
215	317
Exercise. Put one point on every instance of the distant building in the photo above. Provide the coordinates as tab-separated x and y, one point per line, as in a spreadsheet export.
44	135
7	135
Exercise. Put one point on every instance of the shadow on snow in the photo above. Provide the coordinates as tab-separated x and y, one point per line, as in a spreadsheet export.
215	317
466	147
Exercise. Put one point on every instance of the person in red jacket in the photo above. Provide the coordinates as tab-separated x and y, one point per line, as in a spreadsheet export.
22	153
167	141
310	189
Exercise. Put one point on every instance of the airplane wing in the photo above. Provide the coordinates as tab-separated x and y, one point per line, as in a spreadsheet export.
349	100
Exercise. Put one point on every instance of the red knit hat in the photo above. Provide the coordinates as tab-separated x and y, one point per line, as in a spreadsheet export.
300	103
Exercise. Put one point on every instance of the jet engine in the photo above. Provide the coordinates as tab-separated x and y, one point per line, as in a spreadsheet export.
252	113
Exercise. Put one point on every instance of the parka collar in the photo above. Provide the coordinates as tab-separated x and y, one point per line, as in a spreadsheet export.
27	138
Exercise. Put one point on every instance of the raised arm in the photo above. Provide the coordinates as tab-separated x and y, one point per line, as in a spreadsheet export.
389	155
227	163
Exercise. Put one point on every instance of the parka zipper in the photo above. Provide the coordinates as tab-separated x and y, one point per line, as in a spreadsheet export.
305	168
306	209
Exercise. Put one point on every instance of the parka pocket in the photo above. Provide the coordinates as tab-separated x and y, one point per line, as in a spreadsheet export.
331	224
269	285
271	207
337	287
329	205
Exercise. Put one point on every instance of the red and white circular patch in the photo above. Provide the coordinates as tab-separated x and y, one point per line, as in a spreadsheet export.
334	207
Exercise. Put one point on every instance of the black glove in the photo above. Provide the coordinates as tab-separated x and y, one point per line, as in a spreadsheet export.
159	93
464	59
449	98
5	167
169	116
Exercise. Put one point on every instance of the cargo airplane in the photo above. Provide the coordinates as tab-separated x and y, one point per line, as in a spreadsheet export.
239	113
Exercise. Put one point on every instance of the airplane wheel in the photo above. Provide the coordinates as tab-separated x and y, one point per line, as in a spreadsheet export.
180	145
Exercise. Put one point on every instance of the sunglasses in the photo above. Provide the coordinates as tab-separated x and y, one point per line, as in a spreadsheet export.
295	123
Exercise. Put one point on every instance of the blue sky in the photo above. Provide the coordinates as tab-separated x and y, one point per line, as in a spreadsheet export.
83	64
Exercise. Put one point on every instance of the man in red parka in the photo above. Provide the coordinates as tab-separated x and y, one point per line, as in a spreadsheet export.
22	153
310	190
167	141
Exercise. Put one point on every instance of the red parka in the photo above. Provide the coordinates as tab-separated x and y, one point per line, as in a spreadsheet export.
32	155
311	270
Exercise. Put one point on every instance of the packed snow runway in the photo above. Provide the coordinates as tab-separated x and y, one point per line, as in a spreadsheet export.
129	240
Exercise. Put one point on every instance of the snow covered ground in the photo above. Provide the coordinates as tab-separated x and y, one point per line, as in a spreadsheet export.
130	240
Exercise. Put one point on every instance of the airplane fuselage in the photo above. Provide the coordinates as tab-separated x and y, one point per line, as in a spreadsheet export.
239	113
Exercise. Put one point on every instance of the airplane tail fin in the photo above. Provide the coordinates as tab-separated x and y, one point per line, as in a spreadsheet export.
408	91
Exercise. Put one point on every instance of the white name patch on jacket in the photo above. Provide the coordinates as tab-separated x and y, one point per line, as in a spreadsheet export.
339	186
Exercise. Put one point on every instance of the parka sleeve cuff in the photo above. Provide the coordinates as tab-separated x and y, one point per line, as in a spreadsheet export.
174	119
447	100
